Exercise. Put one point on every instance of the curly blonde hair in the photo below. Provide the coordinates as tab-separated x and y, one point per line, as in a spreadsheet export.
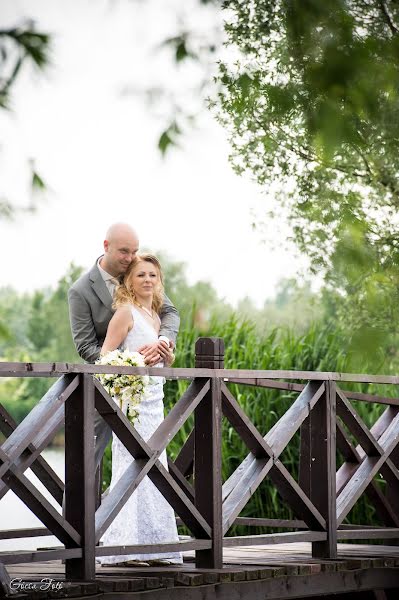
124	293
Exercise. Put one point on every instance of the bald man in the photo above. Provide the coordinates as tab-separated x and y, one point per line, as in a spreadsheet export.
90	299
90	310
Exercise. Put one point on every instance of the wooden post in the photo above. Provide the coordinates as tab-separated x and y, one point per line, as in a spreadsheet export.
209	353
80	476
305	455
323	469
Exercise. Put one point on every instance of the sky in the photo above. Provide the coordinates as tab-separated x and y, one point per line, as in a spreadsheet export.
96	149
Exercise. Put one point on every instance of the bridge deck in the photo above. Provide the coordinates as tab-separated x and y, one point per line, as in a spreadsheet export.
283	571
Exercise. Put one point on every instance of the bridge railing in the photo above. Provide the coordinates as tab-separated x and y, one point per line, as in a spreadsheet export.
320	500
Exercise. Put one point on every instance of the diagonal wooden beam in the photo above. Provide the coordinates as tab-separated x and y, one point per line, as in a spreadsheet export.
287	428
241	494
40	467
23	435
293	494
150	465
179	414
42	508
368	442
30	458
181	480
185	459
120	424
352	461
116	499
370	466
243	425
248	476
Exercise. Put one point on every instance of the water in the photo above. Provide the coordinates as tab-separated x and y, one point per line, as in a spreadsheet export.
15	515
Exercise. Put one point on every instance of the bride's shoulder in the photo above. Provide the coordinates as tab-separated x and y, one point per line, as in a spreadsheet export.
124	310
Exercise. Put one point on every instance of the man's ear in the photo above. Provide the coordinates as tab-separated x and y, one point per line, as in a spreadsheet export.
106	245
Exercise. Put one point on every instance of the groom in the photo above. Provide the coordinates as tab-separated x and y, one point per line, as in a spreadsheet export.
90	311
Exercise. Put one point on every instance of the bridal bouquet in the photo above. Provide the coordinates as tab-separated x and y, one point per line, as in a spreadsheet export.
128	390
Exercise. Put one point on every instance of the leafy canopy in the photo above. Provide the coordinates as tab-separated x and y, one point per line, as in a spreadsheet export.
312	107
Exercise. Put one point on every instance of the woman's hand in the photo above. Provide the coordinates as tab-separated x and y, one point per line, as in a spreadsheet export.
169	358
155	352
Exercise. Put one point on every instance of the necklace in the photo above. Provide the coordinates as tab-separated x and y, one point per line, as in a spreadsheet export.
150	313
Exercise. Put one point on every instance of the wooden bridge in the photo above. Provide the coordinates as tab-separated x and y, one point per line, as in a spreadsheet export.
317	555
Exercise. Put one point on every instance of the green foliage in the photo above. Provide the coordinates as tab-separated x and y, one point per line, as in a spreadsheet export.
312	107
38	328
19	45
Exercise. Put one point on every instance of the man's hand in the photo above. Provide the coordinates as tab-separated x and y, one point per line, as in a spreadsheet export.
155	352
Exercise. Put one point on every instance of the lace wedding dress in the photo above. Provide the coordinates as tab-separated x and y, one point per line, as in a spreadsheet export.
146	518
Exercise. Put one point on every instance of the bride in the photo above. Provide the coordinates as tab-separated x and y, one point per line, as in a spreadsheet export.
146	518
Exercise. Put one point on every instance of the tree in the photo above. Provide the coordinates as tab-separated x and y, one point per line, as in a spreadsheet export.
312	108
20	45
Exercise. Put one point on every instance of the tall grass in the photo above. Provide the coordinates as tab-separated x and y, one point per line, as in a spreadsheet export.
321	348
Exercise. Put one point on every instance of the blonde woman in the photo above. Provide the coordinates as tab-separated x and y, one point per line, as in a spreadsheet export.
146	517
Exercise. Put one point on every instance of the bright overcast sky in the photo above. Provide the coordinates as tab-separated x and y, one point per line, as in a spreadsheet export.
97	151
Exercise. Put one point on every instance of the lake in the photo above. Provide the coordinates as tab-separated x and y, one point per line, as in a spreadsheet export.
15	515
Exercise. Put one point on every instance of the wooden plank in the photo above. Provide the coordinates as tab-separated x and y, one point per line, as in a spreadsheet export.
381	503
181	480
9	534
32	556
179	414
242	484
185	459
282	432
298	387
292	493
275	538
15	369
243	425
182	546
116	499
286	426
305	455
367	471
42	508
368	533
31	456
244	490
260	522
40	467
269	384
5	582
80	477
355	424
323	469
120	424
368	442
26	431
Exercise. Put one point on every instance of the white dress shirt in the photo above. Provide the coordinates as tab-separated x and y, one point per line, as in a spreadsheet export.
109	280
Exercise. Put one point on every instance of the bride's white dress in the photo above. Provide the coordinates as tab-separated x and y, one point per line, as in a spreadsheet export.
146	518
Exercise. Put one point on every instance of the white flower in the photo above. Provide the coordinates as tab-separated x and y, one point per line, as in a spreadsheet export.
127	390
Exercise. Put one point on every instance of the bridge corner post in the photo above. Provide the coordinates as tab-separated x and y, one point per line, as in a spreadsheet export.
80	476
323	468
209	354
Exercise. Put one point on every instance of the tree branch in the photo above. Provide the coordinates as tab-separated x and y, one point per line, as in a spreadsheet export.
388	18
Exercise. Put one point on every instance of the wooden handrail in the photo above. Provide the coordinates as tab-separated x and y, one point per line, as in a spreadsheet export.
18	369
319	502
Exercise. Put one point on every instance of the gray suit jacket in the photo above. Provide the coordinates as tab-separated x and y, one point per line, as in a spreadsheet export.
90	311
